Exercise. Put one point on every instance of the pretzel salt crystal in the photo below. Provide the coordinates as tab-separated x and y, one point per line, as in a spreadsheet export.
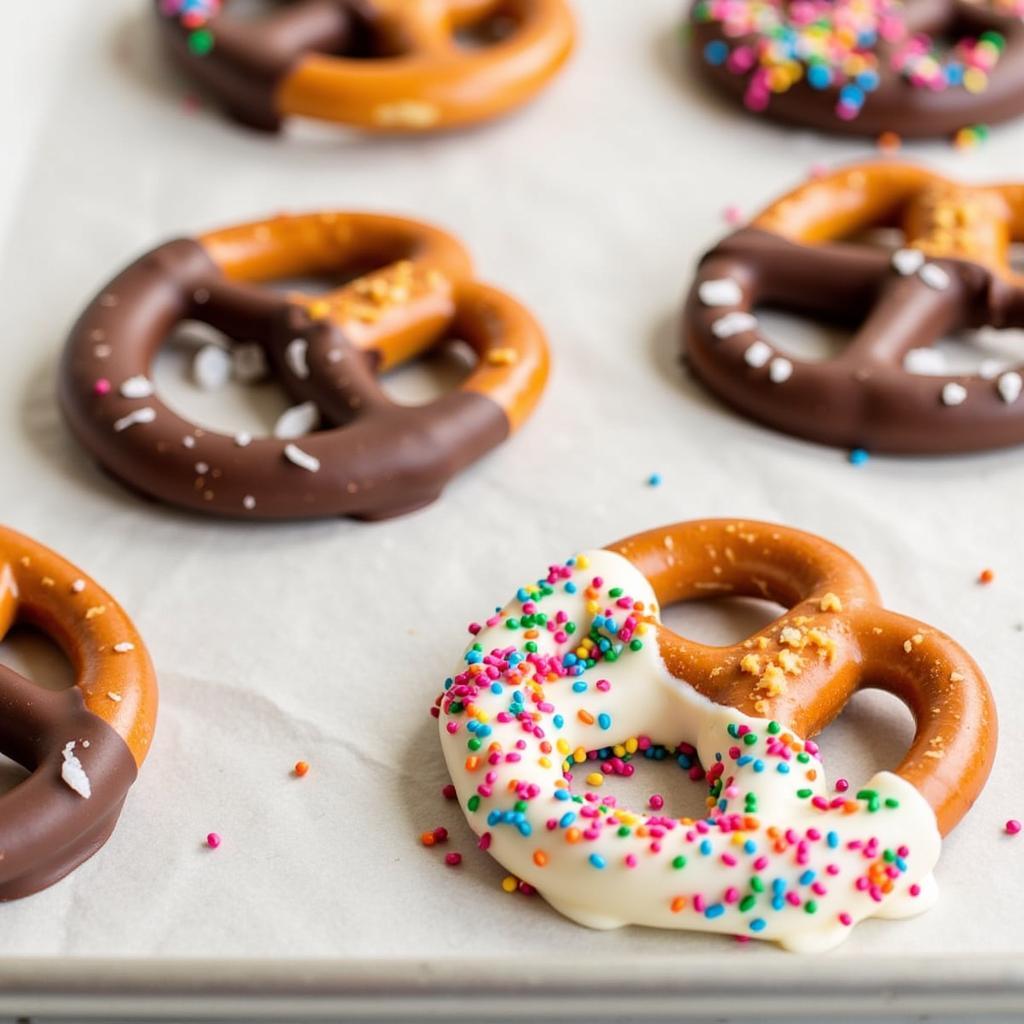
379	65
952	272
379	458
579	661
83	746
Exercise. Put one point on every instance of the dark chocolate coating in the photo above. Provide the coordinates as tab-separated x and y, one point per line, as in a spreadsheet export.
381	459
896	105
864	398
252	58
46	828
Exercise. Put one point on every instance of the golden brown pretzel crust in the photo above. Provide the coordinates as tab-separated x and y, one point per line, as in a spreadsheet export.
835	639
39	587
416	281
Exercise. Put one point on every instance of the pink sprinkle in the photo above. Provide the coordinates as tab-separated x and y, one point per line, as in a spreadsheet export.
842	785
440	835
657	801
630	860
1012	827
484	842
102	386
453	860
213	840
844	918
698	903
448	792
915	890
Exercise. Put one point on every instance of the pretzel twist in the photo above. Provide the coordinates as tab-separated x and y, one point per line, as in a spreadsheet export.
415	289
952	273
379	65
82	746
579	666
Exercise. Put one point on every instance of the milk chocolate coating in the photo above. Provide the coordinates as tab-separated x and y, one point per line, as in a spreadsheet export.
46	828
896	105
863	398
252	58
386	460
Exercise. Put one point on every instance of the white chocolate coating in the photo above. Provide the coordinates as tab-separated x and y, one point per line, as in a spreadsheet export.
778	857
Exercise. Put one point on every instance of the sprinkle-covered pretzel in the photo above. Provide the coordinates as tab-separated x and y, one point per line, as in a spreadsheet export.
379	65
866	67
83	746
579	665
952	272
376	458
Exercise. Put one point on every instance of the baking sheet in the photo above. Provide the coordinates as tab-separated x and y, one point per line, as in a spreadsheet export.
328	641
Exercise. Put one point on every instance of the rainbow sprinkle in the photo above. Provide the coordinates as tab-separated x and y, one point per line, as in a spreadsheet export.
195	16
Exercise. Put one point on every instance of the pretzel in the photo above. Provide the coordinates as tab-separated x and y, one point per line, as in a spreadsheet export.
921	68
83	746
579	662
952	273
380	65
377	458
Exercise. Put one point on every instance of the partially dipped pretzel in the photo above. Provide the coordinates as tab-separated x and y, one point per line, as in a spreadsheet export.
952	272
919	68
378	458
83	746
379	65
579	661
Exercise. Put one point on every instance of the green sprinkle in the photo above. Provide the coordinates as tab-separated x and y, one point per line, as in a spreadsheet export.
521	805
811	907
570	628
803	758
200	42
747	903
511	623
750	739
889	856
892	802
756	884
615	592
531	646
474	744
774	728
624	830
636	645
473	803
804	793
679	862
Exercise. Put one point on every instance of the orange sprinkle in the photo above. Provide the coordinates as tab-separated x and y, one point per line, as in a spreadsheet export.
585	716
679	903
986	576
540	858
428	838
301	768
472	763
572	835
889	142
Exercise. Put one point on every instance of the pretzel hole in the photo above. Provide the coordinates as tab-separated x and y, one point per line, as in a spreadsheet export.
34	655
987	352
486	32
425	379
873	733
811	339
675	774
235	406
721	622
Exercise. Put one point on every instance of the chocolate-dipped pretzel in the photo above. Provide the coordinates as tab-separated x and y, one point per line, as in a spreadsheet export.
578	667
952	273
863	67
376	458
379	65
83	746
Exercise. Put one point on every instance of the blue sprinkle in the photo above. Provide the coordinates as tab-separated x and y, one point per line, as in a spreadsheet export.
562	794
715	910
604	720
750	847
832	839
859	456
782	768
716	52
758	924
819	76
759	766
570	587
705	847
522	594
474	657
579	687
807	877
684	761
570	659
525	828
567	819
654	480
852	95
778	903
779	885
597	860
558	721
745	759
497	688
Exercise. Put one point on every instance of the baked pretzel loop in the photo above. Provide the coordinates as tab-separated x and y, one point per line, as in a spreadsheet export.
835	639
801	254
376	458
82	746
379	65
920	68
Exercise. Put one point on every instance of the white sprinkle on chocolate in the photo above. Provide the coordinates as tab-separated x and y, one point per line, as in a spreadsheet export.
924	361
249	502
202	468
137	387
989	369
934	276
954	394
723	291
780	370
72	772
188	441
297	421
733	323
211	368
101	351
144	415
1009	386
294	454
124	647
243	439
758	354
296	356
907	261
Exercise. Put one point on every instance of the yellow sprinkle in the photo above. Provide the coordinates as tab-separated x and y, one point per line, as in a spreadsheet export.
579	755
544	761
562	745
595	779
582	562
509	883
632	745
